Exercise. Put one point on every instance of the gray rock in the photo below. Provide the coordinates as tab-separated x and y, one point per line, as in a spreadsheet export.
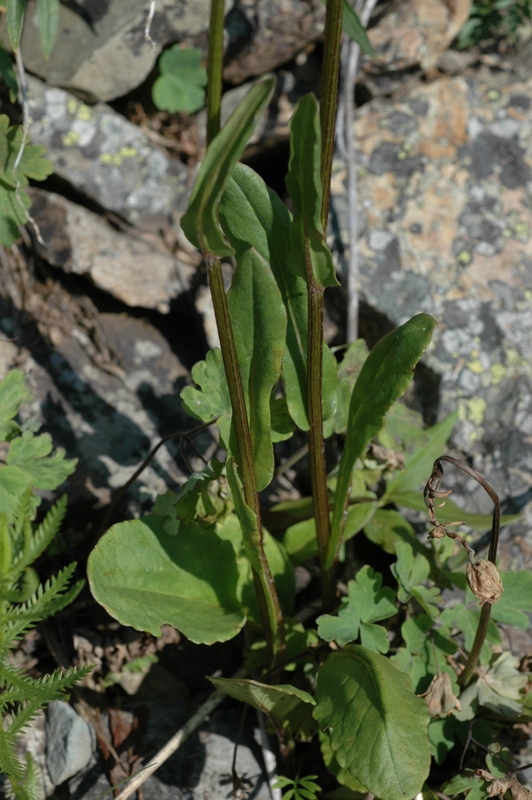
452	187
130	268
70	742
101	50
107	158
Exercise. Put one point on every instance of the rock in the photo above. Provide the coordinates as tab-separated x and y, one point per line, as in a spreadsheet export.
101	50
106	388
70	742
130	268
411	33
264	34
106	158
445	194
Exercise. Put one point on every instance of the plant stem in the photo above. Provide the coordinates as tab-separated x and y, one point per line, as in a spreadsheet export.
318	469
267	598
329	97
328	107
482	627
215	68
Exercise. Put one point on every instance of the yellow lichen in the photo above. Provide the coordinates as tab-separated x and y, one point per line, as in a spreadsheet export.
476	366
498	372
70	138
464	257
84	113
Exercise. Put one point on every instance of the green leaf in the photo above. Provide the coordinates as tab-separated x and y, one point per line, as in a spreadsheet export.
13	393
441	735
181	85
353	27
212	399
348	371
258	319
410	572
286	707
467	782
385	376
8	74
388	527
418	465
252	215
515	600
343	776
466	620
15	20
425	652
367	602
309	258
378	727
146	578
14	201
200	223
48	24
501	687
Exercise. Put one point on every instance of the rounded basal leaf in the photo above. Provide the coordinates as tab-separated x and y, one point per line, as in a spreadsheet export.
377	725
145	578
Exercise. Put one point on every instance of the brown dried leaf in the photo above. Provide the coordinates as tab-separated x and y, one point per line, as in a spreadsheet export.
440	697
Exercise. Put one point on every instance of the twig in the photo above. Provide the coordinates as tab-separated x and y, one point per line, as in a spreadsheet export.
350	58
149	20
177	739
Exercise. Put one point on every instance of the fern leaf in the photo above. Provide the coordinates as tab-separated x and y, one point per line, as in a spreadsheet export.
37	544
31	785
48	599
9	763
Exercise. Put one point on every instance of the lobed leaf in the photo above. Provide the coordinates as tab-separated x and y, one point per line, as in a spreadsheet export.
181	85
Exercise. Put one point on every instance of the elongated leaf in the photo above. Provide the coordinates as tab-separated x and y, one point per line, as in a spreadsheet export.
200	223
8	74
353	27
385	376
418	465
15	20
310	258
283	704
378	727
48	24
252	215
258	318
145	578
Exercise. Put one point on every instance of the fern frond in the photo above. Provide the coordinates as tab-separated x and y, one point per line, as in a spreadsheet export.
21	522
46	601
9	763
43	535
30	787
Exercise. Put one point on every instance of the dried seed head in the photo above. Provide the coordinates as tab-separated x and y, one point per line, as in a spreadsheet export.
484	581
438	532
439	697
